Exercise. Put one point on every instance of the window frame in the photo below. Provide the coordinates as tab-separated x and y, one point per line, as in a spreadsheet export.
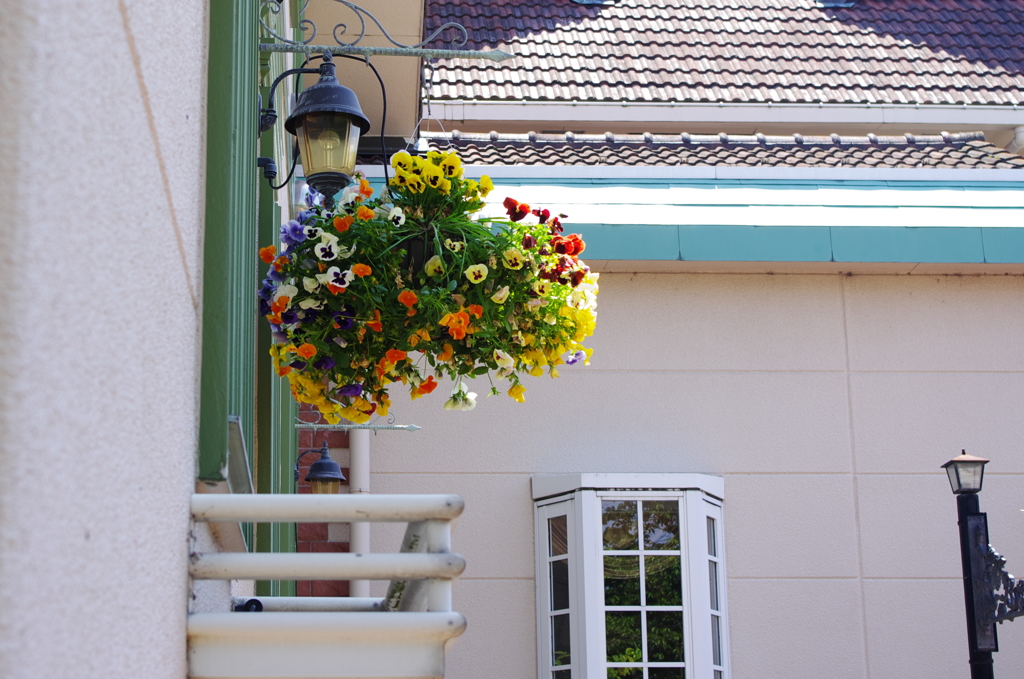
579	497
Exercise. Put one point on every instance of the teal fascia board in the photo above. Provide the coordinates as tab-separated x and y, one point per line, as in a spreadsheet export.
753	244
907	244
1003	246
633	241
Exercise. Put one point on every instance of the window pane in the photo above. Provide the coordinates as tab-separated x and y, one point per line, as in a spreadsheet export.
661	525
560	653
619	519
666	673
559	585
622	636
562	674
625	673
664	587
664	636
558	543
712	538
622	581
716	640
713	580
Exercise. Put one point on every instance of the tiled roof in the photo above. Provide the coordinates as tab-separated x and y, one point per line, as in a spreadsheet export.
878	51
968	150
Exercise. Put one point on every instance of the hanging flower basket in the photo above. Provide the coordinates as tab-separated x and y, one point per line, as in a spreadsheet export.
409	288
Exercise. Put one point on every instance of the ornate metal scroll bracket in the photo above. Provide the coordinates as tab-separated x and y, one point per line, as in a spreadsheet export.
353	47
1003	596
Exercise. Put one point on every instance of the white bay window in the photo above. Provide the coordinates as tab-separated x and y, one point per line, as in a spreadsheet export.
630	576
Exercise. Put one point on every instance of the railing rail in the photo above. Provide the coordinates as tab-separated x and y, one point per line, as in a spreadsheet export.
421	574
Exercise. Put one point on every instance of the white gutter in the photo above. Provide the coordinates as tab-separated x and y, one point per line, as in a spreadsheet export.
629	172
722	112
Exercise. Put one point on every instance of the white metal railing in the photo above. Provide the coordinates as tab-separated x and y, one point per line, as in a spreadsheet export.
402	634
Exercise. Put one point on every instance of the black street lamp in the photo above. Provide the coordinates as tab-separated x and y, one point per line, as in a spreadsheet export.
327	121
991	594
324	475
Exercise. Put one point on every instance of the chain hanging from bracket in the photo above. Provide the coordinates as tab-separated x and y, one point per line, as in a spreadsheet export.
353	46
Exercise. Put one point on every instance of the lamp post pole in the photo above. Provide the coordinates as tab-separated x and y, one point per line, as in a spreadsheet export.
967	506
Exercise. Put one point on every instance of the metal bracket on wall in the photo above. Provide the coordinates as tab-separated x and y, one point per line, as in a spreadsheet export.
1003	594
353	46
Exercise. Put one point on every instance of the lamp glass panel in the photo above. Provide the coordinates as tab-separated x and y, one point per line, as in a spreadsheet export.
970	475
324	486
327	143
954	480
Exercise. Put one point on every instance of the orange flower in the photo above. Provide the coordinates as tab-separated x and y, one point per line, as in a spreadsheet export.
284	370
342	223
280	305
365	190
361	270
395	355
415	338
447	354
375	324
267	253
426	386
409	299
306	351
274	318
365	213
335	289
280	262
475	310
457	322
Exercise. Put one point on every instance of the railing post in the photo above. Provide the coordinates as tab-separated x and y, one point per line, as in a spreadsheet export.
438	535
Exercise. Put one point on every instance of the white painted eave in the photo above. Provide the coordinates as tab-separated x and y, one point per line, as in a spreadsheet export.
633	173
726	113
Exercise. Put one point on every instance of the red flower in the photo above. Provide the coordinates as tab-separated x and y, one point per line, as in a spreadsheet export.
516	210
267	254
529	242
542	215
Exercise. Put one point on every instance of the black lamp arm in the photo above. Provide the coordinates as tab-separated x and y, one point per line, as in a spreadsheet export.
268	116
299	459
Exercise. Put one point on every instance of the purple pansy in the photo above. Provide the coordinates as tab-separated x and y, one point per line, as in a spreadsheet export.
576	357
345	318
354	389
325	363
289	317
267	291
305	215
297	365
293	233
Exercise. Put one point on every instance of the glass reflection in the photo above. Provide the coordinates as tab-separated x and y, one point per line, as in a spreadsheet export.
661	525
625	673
561	674
558	538
622	581
619	519
622	636
663	576
666	673
560	651
559	585
664	636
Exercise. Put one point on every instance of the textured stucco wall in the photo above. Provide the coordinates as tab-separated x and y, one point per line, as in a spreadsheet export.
827	402
101	150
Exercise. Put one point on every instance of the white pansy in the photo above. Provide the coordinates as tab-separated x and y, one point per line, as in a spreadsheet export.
288	291
310	284
396	216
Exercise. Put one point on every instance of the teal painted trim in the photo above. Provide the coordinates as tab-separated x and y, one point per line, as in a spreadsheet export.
996	245
754	243
640	241
1003	246
904	244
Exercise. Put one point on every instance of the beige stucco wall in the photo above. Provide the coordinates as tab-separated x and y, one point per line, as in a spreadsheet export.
102	154
828	403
